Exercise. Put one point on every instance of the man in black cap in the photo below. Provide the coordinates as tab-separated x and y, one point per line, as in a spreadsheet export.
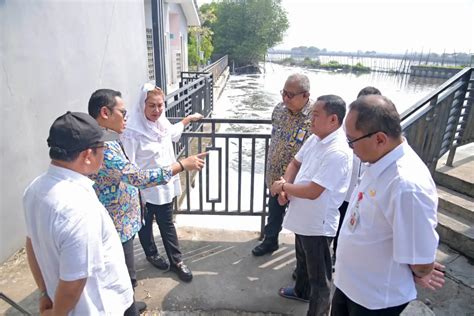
72	246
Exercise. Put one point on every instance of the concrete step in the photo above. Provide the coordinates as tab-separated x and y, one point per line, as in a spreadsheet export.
460	176
456	232
456	203
456	297
454	183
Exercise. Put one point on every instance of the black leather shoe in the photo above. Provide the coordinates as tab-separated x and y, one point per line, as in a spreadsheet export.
263	249
183	272
158	261
141	306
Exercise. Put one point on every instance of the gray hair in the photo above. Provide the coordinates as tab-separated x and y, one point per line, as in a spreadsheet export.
301	80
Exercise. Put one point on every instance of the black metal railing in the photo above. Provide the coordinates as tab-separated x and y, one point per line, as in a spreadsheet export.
194	95
232	183
217	67
443	120
14	304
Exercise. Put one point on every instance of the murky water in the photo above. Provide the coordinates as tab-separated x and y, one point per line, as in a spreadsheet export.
254	96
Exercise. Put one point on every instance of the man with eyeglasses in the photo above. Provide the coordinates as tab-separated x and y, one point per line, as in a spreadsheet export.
119	180
291	126
388	239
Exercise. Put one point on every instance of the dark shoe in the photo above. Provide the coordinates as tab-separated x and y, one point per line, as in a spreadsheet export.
183	272
134	283
141	306
263	249
159	262
289	292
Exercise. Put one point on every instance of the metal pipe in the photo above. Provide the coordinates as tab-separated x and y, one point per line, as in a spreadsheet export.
158	43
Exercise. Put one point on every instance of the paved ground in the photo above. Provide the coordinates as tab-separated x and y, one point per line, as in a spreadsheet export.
228	280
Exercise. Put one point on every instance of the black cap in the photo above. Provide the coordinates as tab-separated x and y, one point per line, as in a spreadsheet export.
76	131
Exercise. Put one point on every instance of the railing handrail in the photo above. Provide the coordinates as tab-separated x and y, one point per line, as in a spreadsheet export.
188	85
226	120
422	102
442	120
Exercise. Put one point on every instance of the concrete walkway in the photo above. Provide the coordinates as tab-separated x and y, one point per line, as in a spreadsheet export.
228	280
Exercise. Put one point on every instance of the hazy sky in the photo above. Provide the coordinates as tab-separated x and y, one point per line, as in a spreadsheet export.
380	25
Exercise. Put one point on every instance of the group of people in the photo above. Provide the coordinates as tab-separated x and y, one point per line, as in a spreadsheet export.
82	260
322	163
110	177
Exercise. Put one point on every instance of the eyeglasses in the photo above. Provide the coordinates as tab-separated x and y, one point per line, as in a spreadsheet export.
351	142
124	112
290	95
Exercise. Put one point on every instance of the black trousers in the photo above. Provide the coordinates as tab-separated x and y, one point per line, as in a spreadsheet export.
314	272
130	258
342	213
132	310
164	219
130	263
276	212
343	306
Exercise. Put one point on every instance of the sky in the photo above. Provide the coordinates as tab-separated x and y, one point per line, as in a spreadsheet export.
380	25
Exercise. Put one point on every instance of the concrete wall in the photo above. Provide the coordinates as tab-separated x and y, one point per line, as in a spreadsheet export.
433	72
53	55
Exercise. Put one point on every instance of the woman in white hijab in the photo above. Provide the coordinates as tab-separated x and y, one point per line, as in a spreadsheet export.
148	143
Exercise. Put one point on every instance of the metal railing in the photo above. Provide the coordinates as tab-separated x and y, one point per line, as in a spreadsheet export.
196	94
443	120
14	304
232	182
217	67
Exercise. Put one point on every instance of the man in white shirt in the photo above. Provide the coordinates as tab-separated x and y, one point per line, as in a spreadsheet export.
73	249
316	182
388	237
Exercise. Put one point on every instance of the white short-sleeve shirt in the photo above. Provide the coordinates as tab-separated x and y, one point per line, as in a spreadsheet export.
328	163
397	204
73	237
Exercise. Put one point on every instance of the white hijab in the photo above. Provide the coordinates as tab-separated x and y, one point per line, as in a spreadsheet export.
138	123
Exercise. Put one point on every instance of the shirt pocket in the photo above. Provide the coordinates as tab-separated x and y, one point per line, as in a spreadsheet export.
367	212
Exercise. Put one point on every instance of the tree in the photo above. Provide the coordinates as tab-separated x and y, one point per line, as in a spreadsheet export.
200	37
246	29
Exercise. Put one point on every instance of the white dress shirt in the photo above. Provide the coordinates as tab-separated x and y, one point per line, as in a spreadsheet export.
328	163
73	238
396	203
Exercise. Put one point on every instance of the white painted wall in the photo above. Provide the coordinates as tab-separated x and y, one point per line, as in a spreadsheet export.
53	55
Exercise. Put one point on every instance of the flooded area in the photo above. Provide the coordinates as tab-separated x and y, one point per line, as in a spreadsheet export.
254	96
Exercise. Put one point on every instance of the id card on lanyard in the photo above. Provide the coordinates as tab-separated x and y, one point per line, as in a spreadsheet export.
354	213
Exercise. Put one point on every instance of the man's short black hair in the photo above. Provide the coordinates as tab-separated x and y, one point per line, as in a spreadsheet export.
376	113
101	98
368	91
334	104
56	153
